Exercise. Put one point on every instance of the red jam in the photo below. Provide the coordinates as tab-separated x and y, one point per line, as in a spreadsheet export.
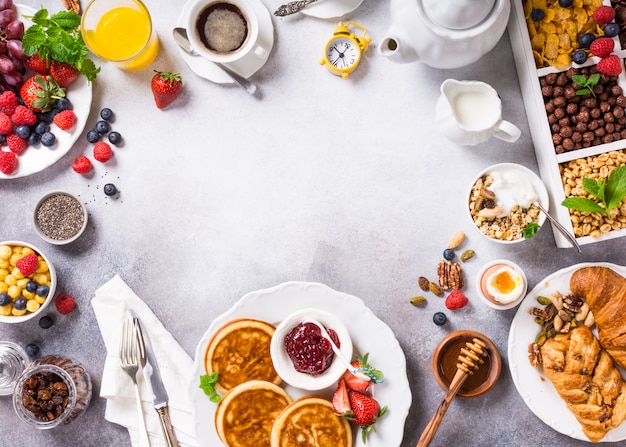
310	352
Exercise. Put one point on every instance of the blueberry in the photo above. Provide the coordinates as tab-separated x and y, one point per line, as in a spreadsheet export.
537	14
106	114
46	322
48	139
4	299
115	137
31	286
19	303
110	189
565	3
22	131
93	136
64	104
585	40
439	318
611	29
31	349
42	127
34	139
43	290
579	56
448	254
102	127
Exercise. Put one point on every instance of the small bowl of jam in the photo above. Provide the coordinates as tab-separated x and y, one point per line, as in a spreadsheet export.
445	358
302	356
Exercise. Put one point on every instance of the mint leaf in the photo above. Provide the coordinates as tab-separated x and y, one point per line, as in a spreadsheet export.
615	188
583	204
207	384
67	20
592	187
531	229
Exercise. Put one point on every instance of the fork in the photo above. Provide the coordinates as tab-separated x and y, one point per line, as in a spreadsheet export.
132	357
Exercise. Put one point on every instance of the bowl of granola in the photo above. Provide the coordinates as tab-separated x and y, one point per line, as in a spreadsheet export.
502	203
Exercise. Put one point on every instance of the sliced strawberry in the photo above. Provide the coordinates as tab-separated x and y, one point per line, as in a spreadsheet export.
341	402
353	382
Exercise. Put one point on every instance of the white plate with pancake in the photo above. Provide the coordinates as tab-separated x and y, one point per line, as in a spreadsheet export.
532	384
369	334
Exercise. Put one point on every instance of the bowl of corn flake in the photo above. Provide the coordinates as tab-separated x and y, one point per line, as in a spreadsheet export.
27	281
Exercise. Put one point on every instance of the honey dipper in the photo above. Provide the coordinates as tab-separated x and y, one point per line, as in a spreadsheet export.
470	358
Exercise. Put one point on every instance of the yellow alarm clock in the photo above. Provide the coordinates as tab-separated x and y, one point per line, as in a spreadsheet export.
343	51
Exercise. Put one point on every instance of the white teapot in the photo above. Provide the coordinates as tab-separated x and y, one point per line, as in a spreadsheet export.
444	33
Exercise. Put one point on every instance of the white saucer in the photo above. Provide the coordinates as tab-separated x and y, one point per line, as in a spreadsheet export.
328	9
208	70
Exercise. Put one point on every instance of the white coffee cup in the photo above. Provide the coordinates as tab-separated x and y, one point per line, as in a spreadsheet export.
228	18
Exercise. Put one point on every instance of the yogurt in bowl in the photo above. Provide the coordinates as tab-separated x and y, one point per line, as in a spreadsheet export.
501	202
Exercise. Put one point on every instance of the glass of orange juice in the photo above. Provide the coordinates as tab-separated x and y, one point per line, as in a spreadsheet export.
120	31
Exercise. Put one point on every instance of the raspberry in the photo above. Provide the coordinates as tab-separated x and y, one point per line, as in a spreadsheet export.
102	151
65	304
8	102
23	115
66	119
456	300
610	66
27	265
602	46
8	162
16	143
6	125
82	165
603	15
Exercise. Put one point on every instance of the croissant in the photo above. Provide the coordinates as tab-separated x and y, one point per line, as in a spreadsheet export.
587	380
605	292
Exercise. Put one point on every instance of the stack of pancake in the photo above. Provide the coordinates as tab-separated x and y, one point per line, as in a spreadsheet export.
254	410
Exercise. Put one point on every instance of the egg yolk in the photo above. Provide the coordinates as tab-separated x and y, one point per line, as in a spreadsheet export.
503	282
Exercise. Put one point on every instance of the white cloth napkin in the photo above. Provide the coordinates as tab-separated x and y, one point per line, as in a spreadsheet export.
110	305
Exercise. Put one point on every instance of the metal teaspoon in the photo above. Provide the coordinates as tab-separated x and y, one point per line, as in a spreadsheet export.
180	36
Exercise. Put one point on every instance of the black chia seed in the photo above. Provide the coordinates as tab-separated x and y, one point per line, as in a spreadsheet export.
60	217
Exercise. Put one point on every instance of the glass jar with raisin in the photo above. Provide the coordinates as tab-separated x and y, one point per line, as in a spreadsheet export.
52	392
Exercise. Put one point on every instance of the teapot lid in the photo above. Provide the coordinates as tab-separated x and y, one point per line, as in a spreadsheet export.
457	14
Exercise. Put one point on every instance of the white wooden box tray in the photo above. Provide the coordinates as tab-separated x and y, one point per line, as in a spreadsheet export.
547	158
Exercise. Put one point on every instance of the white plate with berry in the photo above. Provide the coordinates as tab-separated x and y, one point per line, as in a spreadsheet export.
368	333
38	157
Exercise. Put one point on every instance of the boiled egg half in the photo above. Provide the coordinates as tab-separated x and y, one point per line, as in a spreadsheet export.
504	284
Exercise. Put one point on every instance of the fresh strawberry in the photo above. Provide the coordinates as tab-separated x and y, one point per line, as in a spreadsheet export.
603	15
8	162
38	65
65	304
8	102
610	65
27	265
23	115
102	151
355	383
16	144
65	119
366	411
6	125
40	93
456	300
341	402
165	88
602	46
63	73
81	164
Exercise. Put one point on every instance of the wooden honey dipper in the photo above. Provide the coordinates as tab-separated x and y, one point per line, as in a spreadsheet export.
470	358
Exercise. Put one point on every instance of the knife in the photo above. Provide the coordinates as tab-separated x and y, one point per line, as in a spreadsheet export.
160	395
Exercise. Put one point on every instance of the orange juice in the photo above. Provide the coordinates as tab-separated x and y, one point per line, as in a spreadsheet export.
122	35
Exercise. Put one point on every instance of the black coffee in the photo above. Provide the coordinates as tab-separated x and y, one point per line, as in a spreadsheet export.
222	27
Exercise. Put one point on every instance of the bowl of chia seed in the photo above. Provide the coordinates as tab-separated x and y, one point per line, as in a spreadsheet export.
60	218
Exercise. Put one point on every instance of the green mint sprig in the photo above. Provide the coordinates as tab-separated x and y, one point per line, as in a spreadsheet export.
530	230
610	193
207	383
57	37
586	84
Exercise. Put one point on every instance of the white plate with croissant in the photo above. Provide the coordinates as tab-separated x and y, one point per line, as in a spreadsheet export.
606	295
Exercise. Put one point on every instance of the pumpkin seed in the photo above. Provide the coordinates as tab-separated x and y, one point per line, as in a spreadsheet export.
467	254
434	288
544	300
417	300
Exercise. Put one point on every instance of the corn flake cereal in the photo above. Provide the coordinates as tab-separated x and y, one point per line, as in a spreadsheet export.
554	38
